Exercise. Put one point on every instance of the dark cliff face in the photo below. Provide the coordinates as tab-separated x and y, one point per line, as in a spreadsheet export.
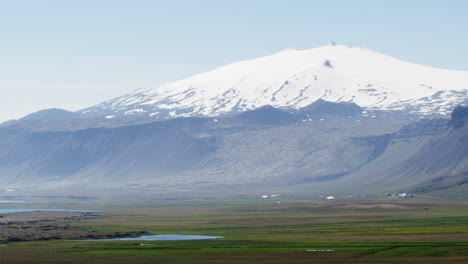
426	127
459	117
368	148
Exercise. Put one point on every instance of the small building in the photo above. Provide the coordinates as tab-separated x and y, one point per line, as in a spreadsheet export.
405	195
271	196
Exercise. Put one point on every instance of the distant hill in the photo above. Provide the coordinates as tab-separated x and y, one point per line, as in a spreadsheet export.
322	108
266	115
51	114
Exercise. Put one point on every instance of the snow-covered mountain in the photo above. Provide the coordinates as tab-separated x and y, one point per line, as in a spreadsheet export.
296	78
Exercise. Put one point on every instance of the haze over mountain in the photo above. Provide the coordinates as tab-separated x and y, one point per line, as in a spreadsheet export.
296	78
266	149
266	146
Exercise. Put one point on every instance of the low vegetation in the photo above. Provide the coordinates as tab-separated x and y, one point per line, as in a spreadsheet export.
359	231
49	225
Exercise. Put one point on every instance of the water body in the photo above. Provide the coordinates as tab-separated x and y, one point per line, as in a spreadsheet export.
159	238
11	211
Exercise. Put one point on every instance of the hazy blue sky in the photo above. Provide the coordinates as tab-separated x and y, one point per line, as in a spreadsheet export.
73	54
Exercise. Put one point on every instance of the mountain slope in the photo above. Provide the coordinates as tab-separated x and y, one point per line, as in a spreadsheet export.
101	155
296	78
266	149
261	148
421	157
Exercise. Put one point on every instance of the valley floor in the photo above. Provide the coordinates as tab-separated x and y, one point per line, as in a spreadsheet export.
266	231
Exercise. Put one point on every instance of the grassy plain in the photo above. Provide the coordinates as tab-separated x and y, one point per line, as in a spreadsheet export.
347	231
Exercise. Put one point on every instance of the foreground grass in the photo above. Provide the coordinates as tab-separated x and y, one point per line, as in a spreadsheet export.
268	232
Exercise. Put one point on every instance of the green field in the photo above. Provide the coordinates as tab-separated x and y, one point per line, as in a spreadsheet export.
353	231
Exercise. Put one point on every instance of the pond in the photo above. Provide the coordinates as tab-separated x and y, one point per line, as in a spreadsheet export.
159	238
11	211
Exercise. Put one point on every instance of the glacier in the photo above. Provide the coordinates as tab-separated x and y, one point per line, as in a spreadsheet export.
292	79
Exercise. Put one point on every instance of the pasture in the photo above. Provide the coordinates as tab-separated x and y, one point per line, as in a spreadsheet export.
265	231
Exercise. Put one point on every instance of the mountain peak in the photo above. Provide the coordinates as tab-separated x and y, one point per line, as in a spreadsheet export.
288	50
296	78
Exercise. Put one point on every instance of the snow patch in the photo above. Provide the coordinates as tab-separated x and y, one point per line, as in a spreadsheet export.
134	111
